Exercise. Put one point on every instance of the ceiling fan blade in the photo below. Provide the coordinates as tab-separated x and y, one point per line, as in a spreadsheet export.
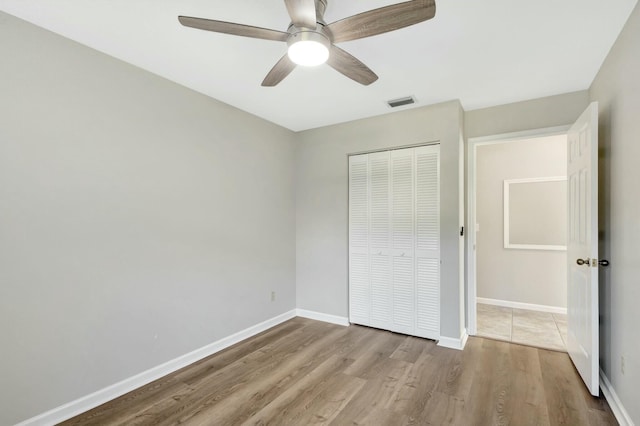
302	13
278	73
234	29
350	66
382	20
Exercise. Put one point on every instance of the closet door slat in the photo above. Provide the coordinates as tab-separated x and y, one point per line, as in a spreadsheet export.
379	216
403	236
428	241
359	279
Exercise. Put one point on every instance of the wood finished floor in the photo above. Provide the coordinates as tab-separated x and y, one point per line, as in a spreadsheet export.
308	372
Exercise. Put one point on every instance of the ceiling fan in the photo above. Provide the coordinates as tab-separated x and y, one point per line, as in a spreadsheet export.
311	40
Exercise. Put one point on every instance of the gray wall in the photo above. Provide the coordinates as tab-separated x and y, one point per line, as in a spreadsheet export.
322	203
539	113
138	220
517	275
617	89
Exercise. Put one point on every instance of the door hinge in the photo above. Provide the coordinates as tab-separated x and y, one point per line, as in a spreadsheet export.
462	231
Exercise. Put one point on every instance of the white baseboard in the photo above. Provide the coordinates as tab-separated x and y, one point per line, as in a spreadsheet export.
453	343
622	416
520	305
319	316
79	406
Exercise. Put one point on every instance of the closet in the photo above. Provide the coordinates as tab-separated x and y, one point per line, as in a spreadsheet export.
394	240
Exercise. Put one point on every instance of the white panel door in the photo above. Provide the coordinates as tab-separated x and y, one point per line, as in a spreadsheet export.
582	248
403	240
379	232
427	244
359	286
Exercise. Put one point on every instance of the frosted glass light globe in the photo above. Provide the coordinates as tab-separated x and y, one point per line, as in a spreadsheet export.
308	53
308	48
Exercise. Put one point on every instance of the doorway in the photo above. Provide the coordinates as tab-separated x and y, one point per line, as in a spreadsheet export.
517	232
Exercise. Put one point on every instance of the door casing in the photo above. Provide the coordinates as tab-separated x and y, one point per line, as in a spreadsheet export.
472	147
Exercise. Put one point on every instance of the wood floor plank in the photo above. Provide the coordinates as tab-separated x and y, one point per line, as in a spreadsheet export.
564	389
260	392
374	416
460	368
307	372
486	401
331	401
379	393
602	418
377	354
416	390
441	409
295	410
526	389
409	350
301	393
222	394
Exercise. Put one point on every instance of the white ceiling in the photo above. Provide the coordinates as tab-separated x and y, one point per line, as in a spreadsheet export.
484	53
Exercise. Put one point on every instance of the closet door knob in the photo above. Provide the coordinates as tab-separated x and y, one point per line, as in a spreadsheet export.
581	262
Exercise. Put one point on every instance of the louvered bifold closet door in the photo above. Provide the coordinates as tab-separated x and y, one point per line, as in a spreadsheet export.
394	240
427	164
403	240
379	235
359	280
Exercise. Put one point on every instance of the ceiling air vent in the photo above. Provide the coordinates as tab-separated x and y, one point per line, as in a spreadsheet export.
402	101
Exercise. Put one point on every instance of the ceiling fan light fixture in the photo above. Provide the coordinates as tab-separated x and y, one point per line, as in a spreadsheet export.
308	48
311	40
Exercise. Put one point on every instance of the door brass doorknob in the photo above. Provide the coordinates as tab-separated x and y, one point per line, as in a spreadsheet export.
586	261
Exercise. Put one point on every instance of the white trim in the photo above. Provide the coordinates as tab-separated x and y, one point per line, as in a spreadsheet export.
395	148
319	316
85	403
622	416
521	305
535	247
472	146
537	179
507	216
516	136
452	343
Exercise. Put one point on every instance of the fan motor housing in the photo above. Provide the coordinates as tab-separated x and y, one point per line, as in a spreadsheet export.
309	35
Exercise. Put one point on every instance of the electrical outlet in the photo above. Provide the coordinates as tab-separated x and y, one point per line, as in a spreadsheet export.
273	296
622	366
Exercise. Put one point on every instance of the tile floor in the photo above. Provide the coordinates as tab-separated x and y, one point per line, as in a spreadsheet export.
533	328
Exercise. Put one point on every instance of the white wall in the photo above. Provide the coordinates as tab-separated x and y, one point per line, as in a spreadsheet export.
322	203
138	220
517	275
617	89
